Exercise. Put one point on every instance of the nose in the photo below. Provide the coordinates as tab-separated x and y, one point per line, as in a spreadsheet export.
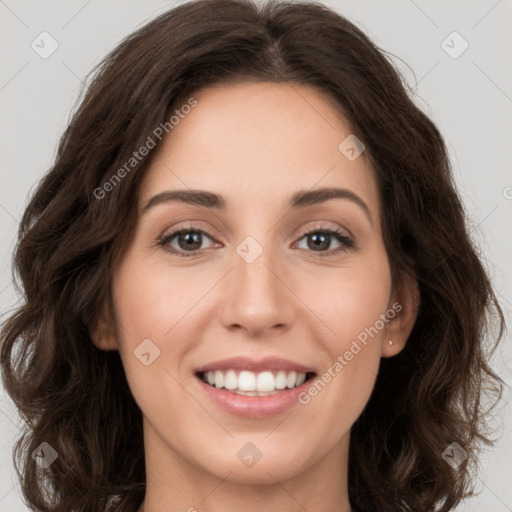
257	298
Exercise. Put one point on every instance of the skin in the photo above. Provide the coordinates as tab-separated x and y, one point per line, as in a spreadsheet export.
255	144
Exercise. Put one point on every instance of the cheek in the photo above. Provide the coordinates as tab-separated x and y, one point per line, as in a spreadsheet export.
151	299
154	305
349	302
155	310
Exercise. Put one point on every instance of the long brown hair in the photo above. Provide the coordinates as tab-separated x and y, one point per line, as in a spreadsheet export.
75	397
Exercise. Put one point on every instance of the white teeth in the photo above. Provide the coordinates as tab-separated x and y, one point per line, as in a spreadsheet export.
254	384
230	380
291	379
246	393
265	382
281	380
219	379
247	381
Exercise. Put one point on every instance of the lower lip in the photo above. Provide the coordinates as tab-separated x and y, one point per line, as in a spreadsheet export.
253	406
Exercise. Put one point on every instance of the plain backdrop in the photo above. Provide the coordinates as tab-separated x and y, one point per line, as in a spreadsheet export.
467	93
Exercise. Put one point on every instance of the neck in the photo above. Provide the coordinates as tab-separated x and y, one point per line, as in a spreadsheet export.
175	483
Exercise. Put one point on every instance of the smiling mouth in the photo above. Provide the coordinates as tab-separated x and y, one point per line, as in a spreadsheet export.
249	383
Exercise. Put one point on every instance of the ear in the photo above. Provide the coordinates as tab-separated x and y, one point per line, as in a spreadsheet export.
402	313
103	333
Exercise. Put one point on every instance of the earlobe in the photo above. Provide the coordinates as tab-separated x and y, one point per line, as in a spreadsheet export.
103	334
406	306
104	343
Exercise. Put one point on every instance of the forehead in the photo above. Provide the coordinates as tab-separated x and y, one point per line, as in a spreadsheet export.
259	142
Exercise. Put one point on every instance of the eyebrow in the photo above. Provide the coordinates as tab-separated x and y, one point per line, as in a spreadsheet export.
300	199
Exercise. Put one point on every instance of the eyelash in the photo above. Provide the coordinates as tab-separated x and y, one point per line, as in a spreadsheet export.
345	241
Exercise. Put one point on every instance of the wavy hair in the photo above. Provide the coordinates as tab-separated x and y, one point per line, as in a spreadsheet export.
75	397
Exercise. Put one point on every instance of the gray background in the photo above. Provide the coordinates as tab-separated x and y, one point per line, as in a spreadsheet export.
469	97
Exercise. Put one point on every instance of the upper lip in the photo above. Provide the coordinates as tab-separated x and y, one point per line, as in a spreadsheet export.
246	363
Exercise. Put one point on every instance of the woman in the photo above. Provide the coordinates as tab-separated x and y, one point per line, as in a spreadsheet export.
249	282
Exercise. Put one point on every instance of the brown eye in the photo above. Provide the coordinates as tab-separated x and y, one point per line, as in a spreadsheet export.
184	241
320	240
189	240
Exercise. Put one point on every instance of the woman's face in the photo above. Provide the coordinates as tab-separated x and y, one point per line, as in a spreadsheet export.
244	280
